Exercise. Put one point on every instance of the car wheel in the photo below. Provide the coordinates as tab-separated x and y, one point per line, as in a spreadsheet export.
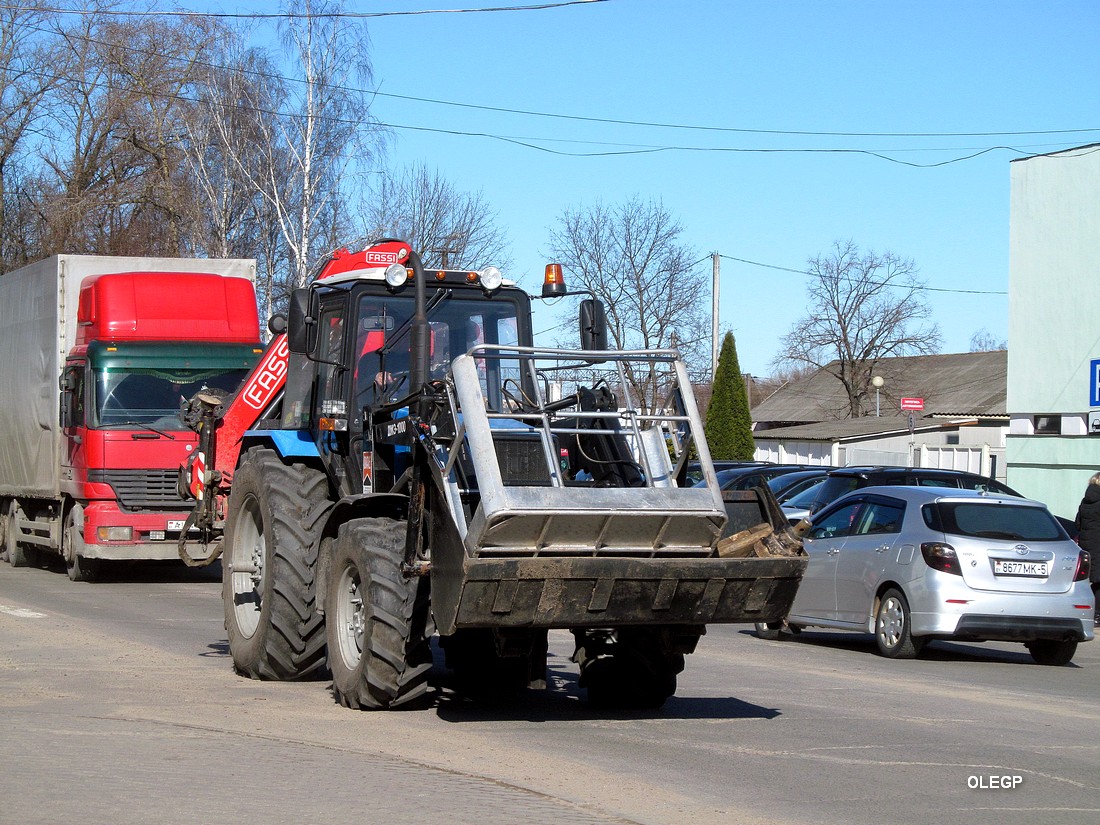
769	630
1049	652
892	627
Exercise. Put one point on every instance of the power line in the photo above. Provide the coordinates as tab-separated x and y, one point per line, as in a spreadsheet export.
874	283
351	15
739	130
629	148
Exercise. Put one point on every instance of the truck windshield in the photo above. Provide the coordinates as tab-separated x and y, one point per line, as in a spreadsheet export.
152	397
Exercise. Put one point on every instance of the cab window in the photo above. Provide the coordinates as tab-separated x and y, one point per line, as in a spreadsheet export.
838	523
880	517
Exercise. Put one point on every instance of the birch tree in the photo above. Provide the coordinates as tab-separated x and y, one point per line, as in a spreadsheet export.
308	141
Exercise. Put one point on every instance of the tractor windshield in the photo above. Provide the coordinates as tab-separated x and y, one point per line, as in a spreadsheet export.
457	324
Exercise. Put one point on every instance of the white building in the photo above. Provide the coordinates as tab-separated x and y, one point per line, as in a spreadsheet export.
1053	444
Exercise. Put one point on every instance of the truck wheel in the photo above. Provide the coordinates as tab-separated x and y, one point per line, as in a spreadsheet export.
378	622
79	568
18	556
640	671
1052	652
3	531
268	585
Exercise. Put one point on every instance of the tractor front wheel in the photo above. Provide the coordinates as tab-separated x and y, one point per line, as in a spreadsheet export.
378	621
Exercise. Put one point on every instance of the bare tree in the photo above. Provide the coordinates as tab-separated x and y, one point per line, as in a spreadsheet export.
984	341
630	256
448	227
25	79
112	178
79	194
159	63
310	138
862	308
223	147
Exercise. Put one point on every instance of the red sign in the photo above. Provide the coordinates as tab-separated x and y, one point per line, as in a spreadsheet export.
912	403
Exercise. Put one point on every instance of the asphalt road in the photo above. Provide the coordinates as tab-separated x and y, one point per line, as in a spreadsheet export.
118	705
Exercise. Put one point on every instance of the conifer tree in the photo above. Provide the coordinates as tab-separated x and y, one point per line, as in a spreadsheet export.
729	424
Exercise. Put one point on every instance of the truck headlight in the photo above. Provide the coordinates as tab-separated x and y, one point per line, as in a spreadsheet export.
115	533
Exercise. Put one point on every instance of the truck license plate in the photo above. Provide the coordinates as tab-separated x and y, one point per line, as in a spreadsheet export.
1003	567
174	524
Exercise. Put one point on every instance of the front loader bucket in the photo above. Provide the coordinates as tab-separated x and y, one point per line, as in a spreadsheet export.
541	546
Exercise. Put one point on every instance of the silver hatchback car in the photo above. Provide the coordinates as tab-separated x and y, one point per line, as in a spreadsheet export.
910	564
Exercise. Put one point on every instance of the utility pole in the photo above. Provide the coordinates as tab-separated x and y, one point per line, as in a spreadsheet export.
715	274
452	246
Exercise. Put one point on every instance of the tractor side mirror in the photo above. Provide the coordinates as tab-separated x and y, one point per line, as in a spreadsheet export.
299	323
593	322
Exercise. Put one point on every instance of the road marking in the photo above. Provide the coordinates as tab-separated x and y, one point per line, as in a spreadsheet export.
21	612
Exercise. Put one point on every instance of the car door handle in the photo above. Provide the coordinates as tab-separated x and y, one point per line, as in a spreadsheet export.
832	551
882	549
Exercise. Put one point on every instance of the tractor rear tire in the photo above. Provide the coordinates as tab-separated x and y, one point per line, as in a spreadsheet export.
378	621
482	673
269	587
639	674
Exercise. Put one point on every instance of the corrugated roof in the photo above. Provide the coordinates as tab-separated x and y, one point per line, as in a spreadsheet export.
850	429
973	384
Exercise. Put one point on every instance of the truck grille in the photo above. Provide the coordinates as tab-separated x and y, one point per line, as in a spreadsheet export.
142	489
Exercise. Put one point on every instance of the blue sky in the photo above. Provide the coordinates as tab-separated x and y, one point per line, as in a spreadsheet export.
916	81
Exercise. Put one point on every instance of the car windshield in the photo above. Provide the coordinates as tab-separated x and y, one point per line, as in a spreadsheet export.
832	488
993	521
785	491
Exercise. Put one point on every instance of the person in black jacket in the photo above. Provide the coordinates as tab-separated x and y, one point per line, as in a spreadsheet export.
1088	534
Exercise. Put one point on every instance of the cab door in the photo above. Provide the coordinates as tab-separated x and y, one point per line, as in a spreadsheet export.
816	598
865	556
74	462
330	410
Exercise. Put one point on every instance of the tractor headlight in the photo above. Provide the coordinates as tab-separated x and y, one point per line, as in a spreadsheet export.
396	275
491	279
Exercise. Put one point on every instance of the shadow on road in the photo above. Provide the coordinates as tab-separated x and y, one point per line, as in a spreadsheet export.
937	650
139	572
564	700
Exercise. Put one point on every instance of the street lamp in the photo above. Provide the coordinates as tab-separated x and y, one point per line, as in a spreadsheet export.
877	383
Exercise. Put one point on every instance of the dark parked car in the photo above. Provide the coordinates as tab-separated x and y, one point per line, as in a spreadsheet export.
847	479
695	472
789	485
745	478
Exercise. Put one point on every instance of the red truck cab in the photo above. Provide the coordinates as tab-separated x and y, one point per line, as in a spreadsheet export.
145	341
